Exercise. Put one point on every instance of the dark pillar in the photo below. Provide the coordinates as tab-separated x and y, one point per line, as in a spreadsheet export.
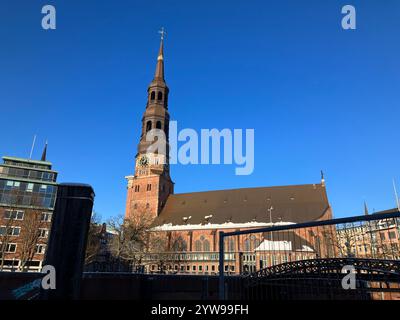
68	236
221	267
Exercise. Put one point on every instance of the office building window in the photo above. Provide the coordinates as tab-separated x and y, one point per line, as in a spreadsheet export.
14	215
40	248
11	231
43	233
46	216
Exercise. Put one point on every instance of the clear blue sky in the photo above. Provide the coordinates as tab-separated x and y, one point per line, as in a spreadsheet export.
317	96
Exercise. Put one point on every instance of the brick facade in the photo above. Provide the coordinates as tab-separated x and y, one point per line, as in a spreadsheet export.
150	191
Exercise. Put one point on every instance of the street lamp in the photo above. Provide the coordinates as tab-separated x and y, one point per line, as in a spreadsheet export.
270	218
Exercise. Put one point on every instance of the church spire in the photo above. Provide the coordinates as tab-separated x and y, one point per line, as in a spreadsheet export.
44	154
159	74
365	209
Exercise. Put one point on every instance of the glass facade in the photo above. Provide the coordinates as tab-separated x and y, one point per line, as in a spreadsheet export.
27	174
27	183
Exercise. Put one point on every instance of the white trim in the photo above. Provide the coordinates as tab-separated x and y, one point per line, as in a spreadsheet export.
226	225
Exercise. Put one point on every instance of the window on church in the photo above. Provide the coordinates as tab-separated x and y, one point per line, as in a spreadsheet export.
148	187
153	95
179	245
159	96
148	126
229	244
147	205
197	245
206	245
158	125
247	245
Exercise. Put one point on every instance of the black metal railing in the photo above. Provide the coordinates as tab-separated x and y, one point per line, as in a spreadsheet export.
310	260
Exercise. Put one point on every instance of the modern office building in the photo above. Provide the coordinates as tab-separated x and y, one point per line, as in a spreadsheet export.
27	196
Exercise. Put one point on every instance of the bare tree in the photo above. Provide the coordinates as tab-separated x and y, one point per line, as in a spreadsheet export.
34	231
130	240
5	237
168	248
8	224
93	245
367	237
31	236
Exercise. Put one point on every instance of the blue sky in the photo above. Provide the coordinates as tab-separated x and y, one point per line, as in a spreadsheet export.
317	96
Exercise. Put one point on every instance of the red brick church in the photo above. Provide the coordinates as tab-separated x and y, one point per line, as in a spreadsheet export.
198	216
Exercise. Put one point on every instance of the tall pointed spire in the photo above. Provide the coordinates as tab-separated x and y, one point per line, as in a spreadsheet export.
365	209
44	154
159	74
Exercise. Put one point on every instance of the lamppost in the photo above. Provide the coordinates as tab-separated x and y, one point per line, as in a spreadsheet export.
270	216
270	219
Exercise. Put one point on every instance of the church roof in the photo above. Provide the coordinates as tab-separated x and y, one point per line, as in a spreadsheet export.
248	207
284	241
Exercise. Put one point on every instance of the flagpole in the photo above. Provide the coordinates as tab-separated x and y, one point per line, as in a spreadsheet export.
33	146
395	194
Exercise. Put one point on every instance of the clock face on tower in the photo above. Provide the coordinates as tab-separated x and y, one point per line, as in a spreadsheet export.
143	161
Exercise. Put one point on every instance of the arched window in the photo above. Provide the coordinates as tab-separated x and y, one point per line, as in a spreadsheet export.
152	95
158	125
206	245
147	205
179	244
197	245
230	244
159	96
148	126
253	242
246	245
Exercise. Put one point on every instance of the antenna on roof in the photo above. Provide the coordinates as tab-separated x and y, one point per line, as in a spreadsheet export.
396	196
33	146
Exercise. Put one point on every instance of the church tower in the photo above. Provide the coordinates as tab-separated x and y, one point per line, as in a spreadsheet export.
150	186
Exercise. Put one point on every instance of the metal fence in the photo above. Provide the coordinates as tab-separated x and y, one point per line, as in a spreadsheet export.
349	258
